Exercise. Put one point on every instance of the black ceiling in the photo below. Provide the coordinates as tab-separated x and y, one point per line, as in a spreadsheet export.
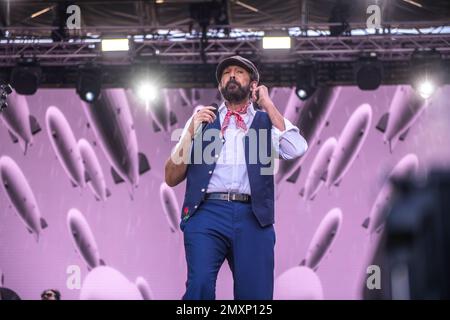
147	16
176	13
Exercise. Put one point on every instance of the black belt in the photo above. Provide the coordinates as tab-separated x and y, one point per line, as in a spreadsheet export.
228	196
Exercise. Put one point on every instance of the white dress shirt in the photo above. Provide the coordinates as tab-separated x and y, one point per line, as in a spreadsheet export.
230	173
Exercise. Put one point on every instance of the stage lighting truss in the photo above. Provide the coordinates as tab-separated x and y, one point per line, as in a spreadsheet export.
172	46
174	49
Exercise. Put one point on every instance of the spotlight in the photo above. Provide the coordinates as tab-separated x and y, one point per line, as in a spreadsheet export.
146	79
368	73
115	45
427	72
147	91
426	89
276	42
301	93
89	84
306	80
26	77
89	96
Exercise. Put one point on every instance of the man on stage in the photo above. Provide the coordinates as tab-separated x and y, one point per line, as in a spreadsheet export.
226	155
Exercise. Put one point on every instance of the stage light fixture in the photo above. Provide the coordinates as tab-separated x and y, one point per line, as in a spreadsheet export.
108	45
306	83
273	42
276	40
147	91
427	72
89	84
426	89
146	79
368	73
26	77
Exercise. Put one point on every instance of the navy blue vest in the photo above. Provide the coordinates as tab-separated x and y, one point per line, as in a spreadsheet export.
259	161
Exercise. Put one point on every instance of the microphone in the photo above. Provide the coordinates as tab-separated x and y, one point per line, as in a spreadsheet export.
216	113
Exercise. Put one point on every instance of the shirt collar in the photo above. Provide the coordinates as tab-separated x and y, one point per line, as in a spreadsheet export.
250	108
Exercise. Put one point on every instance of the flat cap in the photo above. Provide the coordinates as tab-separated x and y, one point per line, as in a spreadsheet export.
237	61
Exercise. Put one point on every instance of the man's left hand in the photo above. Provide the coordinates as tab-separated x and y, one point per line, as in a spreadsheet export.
263	97
268	106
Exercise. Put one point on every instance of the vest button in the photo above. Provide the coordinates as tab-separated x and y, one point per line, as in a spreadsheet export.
203	190
195	207
210	171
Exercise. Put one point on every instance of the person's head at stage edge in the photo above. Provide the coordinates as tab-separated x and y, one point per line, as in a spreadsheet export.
237	78
51	294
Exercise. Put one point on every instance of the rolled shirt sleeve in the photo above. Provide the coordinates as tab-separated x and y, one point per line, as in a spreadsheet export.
288	144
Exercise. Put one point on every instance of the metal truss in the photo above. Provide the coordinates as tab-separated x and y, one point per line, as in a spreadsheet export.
188	51
172	46
181	58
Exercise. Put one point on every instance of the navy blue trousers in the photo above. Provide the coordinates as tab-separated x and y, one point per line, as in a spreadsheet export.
229	230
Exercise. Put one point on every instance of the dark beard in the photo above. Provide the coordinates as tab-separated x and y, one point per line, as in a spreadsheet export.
237	95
